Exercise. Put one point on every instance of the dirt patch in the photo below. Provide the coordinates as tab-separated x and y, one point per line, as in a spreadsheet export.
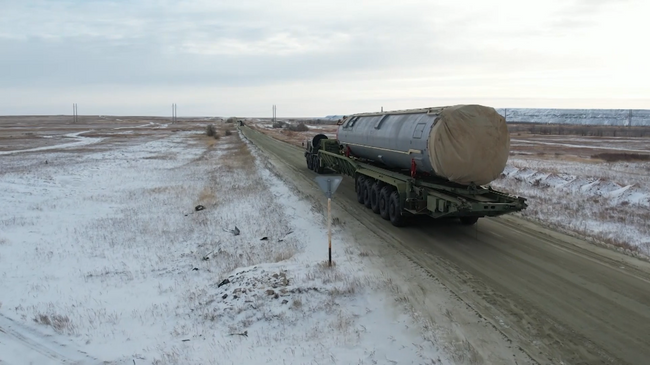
615	157
579	130
296	138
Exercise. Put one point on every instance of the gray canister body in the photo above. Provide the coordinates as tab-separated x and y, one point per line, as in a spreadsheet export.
462	143
391	139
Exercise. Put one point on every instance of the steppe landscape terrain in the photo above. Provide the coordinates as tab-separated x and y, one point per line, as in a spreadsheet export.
135	240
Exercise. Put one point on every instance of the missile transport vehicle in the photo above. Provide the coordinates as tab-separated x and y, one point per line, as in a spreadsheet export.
432	161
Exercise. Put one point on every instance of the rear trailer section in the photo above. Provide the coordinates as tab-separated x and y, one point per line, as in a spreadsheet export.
396	195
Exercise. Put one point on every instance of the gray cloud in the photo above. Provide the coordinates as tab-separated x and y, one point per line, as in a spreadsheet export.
77	46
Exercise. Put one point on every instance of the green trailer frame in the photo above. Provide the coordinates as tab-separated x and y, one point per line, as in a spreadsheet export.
411	196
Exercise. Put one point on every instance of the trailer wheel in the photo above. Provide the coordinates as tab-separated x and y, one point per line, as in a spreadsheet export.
367	190
468	221
309	162
395	210
374	197
361	180
384	198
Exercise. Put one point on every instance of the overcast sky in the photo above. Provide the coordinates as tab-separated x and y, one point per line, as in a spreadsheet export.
313	58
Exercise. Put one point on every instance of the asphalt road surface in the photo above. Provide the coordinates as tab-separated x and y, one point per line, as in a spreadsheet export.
561	299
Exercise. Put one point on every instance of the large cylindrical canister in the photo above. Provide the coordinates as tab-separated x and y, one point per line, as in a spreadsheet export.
463	143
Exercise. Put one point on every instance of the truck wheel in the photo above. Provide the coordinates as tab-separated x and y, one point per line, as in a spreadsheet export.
395	210
374	197
384	198
361	182
309	162
313	163
468	221
367	190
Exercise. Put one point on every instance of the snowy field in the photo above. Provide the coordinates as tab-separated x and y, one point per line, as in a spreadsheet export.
608	202
104	259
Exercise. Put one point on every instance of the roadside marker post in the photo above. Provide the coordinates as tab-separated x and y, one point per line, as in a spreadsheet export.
329	184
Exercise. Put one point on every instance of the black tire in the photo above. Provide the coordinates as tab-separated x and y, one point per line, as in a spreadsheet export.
384	198
309	162
395	210
313	162
468	221
361	183
374	197
367	188
318	168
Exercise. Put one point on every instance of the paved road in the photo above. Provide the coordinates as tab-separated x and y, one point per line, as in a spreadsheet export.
560	298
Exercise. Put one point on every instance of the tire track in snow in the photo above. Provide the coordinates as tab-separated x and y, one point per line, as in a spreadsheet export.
21	345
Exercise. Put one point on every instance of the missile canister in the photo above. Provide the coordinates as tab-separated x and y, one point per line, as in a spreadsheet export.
463	143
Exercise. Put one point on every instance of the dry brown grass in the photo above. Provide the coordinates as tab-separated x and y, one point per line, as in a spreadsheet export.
210	130
172	189
209	142
581	152
342	323
208	196
294	138
59	323
616	157
285	255
579	130
296	304
238	156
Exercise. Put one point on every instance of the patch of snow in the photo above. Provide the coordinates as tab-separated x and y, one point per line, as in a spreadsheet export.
617	193
568	196
104	253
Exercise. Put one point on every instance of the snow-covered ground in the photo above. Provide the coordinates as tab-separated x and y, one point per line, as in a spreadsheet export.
609	202
575	144
104	259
